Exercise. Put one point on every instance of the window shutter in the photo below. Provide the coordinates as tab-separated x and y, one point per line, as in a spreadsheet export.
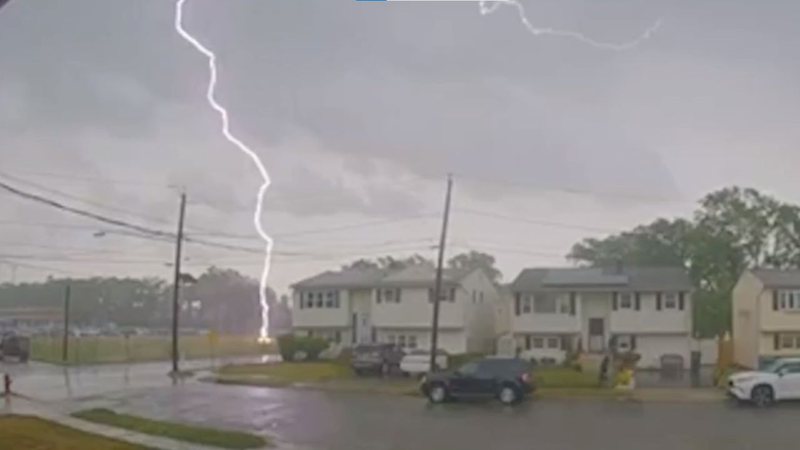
633	342
614	300
527	342
638	301
775	300
572	299
776	341
378	296
397	296
658	301
518	304
681	301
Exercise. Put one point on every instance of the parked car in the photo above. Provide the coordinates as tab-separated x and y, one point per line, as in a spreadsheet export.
376	358
15	346
779	380
507	379
417	362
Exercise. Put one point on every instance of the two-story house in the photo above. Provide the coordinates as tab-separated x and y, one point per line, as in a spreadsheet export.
766	316
640	309
363	306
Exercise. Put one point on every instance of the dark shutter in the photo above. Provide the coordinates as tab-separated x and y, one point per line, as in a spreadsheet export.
776	340
527	342
572	298
518	304
397	296
633	342
302	301
775	300
638	301
658	301
378	296
681	301
614	300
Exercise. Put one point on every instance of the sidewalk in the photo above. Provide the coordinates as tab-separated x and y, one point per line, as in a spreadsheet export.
20	406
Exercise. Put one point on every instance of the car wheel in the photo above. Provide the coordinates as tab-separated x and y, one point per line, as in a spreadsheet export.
507	395
437	393
762	396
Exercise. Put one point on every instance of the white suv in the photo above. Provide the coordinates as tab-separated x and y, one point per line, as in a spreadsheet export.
779	380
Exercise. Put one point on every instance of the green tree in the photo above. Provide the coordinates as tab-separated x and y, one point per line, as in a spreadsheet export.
477	260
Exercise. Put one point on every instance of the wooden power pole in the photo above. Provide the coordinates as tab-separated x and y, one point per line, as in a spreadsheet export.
177	284
437	290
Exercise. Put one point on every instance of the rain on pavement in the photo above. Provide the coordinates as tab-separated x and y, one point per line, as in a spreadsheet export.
326	420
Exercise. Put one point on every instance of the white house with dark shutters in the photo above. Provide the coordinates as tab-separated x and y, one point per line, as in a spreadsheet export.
766	316
356	306
641	309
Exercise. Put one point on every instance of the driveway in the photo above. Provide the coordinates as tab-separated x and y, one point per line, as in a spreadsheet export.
325	420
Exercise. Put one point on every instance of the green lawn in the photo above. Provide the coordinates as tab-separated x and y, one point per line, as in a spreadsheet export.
24	432
180	432
285	373
562	377
114	349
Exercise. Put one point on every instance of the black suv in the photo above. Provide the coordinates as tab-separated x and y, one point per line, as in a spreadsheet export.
376	358
507	379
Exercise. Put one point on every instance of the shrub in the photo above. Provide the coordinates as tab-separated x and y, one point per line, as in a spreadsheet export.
287	346
311	346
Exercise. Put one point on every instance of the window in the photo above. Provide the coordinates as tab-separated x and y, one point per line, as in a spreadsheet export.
625	301
329	299
552	342
412	341
670	301
538	342
526	304
401	340
336	299
319	300
388	295
310	300
469	369
544	304
790	300
790	368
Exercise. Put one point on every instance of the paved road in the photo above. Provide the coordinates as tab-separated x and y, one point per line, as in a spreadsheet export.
323	420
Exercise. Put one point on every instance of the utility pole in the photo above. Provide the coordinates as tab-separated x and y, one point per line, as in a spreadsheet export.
177	284
65	340
437	290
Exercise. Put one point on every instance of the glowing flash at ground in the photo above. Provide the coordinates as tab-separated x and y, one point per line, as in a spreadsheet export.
211	97
489	6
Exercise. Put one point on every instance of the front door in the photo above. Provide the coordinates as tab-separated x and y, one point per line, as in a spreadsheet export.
596	334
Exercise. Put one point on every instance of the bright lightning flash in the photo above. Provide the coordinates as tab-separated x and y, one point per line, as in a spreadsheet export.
223	113
489	6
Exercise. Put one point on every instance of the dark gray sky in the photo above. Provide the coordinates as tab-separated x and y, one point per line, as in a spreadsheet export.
360	109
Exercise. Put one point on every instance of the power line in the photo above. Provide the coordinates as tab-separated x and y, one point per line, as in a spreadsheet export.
544	223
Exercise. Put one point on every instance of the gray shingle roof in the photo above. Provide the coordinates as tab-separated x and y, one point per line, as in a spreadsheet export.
349	278
778	277
357	278
599	278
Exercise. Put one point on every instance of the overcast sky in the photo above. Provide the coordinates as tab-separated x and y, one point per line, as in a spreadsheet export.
360	109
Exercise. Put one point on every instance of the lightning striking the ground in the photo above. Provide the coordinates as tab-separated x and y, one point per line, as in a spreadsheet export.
223	113
489	6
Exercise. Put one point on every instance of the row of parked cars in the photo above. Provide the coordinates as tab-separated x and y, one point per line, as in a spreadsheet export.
507	379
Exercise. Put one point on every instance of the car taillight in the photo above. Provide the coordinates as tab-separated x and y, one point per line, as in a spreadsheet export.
525	377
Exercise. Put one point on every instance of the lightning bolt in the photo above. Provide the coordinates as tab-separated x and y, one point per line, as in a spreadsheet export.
223	113
489	6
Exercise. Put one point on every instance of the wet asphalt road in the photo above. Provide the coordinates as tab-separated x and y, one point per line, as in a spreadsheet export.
322	420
